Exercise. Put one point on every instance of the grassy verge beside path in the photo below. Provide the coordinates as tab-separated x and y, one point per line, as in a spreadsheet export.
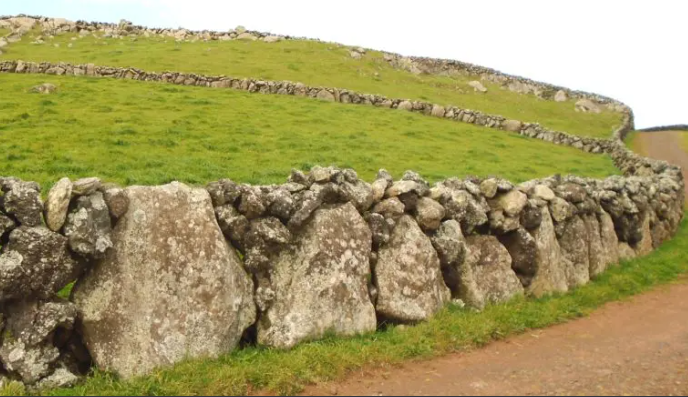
452	330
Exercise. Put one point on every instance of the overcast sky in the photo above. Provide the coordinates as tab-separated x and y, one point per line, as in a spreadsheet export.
634	51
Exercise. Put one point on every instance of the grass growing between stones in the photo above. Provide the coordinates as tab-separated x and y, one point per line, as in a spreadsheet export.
312	63
133	132
452	330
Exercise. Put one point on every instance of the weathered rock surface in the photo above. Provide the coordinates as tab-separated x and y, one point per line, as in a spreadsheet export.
6	225
45	88
233	224
486	275
170	288
512	125
644	246
85	186
477	86
549	263
88	226
561	96
36	263
320	283
522	248
57	204
22	200
429	213
586	105
449	243
408	275
116	201
574	247
511	203
27	340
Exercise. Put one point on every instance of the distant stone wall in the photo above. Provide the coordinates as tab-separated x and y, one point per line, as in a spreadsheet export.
341	95
417	65
674	127
448	67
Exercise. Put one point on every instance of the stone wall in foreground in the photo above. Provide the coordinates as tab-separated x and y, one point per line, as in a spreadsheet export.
168	272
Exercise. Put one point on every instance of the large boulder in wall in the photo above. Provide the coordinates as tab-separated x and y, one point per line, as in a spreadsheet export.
320	283
644	245
170	288
408	275
486	275
603	243
574	247
550	264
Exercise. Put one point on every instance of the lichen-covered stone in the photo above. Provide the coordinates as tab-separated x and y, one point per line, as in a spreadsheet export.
408	275
549	263
390	208
511	203
22	200
320	282
6	225
461	206
523	249
359	193
85	186
280	203
250	204
429	213
57	204
169	289
449	243
644	245
265	238
233	224
27	340
306	203
88	226
379	228
378	189
574	247
486	275
116	201
36	263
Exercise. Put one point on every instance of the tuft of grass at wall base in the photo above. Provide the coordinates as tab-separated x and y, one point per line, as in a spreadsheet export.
454	329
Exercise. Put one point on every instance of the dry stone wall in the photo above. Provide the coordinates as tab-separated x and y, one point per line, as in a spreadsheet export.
168	272
172	271
20	24
340	95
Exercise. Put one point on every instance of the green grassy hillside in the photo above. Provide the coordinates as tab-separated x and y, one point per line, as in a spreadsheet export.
312	63
149	133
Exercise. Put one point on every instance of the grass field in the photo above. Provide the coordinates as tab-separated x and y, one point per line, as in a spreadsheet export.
452	330
149	133
313	63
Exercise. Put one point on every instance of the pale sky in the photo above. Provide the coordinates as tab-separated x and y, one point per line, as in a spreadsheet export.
634	51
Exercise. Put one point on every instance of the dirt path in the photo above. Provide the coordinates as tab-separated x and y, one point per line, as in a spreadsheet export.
665	145
639	346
